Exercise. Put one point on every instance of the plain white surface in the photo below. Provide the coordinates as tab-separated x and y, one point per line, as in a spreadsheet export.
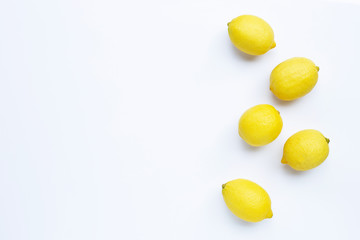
119	120
346	1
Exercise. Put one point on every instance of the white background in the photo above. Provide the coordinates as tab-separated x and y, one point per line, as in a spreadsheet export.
118	120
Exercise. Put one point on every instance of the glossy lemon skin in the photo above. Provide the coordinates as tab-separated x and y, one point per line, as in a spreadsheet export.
293	78
260	125
247	200
251	34
305	150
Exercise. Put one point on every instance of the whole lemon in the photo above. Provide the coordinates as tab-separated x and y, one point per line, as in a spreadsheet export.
251	34
293	78
260	125
247	200
305	150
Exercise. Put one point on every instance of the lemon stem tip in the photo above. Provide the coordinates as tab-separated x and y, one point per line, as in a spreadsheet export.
327	140
317	68
223	186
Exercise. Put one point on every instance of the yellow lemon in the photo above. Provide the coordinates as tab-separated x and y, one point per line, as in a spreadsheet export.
260	125
293	78
251	34
247	200
305	150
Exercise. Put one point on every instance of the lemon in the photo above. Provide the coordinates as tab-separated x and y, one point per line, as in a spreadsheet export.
247	200
305	150
251	34
293	78
260	125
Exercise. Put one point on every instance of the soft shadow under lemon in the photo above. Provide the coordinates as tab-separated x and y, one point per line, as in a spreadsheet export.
242	55
290	171
247	147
